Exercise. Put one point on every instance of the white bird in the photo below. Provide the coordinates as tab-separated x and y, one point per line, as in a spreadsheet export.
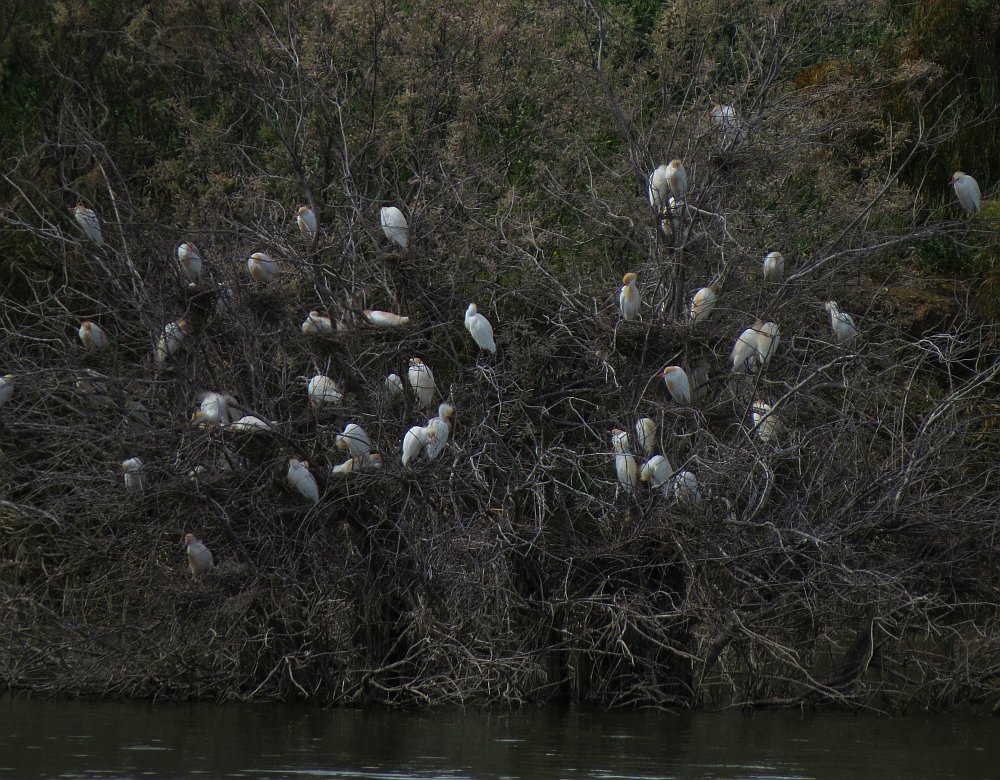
966	190
421	379
251	424
316	324
92	336
214	410
88	220
171	340
703	302
620	443
767	342
626	470
262	268
384	319
440	428
133	475
6	388
629	299
725	121
766	422
306	220
677	383
656	471
370	462
659	189
645	435
677	179
190	261
774	267
744	354
394	226
300	478
480	329
675	213
199	556
393	387
418	437
685	487
354	440
841	322
323	390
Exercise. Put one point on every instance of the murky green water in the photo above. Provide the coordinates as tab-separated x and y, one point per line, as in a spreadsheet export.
133	740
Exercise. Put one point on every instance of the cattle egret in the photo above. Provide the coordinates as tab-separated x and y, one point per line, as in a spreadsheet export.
620	443
300	478
744	354
774	267
190	262
199	556
133	475
767	342
675	213
659	190
841	322
393	387
703	302
421	379
171	340
306	220
251	424
354	440
394	226
418	437
88	220
262	268
370	462
480	328
440	428
677	179
766	422
316	324
323	390
645	435
727	124
384	319
677	383
966	190
6	388
214	410
686	491
626	470
92	336
629	299
656	471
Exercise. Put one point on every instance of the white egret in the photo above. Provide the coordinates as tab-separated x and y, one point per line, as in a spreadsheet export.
393	387
384	319
676	380
629	299
480	329
322	390
767	342
300	478
626	470
656	471
675	213
774	267
728	125
645	435
394	226
685	487
418	437
171	340
354	440
841	322
421	379
306	220
262	268
744	354
199	556
766	422
620	443
703	302
677	179
92	336
659	190
316	324
966	190
251	424
371	462
190	261
6	388
214	410
88	220
134	479
440	428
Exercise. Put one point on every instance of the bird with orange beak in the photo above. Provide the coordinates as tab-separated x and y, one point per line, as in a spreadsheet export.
629	299
676	380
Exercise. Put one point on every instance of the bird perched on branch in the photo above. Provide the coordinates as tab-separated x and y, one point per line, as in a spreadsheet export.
727	124
262	268
394	226
316	324
656	471
841	322
190	262
703	302
393	388
676	380
677	179
685	487
629	299
414	442
354	440
306	220
766	422
251	424
659	189
171	340
967	191
370	462
134	480
92	336
384	319
300	478
199	556
744	354
774	267
480	329
645	435
6	388
421	379
767	342
620	443
88	220
322	390
625	465
440	428
214	410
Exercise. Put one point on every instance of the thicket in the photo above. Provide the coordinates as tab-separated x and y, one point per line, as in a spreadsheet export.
850	561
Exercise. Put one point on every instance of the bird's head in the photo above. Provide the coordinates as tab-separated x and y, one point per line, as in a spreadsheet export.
676	164
416	362
831	306
184	327
956	177
86	326
198	418
302	210
189	539
714	287
10	378
668	372
375	460
473	309
446	411
629	278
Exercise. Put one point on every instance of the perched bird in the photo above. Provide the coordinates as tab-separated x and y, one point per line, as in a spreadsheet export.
767	342
199	556
659	189
966	190
251	424
306	220
480	328
766	422
262	268
133	475
645	435
703	302
6	388
88	220
214	410
774	267
677	383
92	336
675	213
440	428
190	262
384	319
744	354
421	379
354	440
656	471
685	487
322	390
369	462
418	437
727	124
393	387
300	478
626	470
677	179
841	322
171	340
620	444
629	299
394	226
316	324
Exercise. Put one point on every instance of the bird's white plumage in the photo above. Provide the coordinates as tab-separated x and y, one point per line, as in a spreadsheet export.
774	267
480	329
744	354
620	442
301	479
385	319
768	337
134	478
686	491
91	225
626	470
306	221
677	179
676	380
727	124
659	189
841	322
656	471
190	261
421	379
394	226
440	428
251	424
170	341
92	336
766	422
645	436
322	390
629	299
967	191
261	267
199	556
393	387
414	442
215	410
315	324
370	462
703	302
354	440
